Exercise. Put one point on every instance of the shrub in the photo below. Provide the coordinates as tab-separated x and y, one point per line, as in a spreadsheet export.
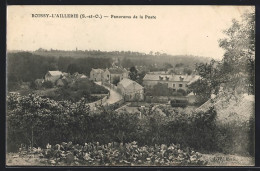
47	84
182	92
33	120
179	103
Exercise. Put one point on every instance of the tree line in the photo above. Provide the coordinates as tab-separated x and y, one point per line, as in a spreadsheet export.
26	67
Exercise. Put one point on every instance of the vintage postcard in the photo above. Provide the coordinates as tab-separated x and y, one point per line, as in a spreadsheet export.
130	85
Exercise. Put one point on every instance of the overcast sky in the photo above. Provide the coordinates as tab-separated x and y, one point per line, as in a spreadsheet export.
177	30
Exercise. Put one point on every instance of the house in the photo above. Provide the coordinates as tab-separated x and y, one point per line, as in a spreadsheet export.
114	73
53	76
131	90
96	74
171	80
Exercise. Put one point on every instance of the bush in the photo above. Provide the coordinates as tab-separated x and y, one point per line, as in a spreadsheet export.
33	120
177	94
179	103
182	92
47	84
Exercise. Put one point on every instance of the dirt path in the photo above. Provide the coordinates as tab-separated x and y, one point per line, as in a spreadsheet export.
114	96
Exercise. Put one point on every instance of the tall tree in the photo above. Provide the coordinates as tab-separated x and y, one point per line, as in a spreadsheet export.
239	58
235	73
133	73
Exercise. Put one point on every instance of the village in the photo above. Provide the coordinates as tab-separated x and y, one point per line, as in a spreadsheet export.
132	93
125	92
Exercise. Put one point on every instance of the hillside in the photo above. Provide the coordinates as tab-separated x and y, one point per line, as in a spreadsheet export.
136	57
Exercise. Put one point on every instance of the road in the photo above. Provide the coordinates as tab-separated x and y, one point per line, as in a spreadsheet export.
114	96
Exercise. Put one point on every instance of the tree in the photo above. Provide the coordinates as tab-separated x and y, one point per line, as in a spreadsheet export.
160	90
167	66
187	71
116	80
239	57
72	68
133	73
235	72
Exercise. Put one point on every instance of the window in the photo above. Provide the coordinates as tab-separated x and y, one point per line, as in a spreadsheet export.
180	85
173	85
186	85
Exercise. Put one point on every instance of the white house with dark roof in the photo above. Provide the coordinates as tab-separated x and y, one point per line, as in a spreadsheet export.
173	81
53	76
131	90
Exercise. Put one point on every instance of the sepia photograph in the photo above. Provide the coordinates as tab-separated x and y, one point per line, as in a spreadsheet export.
130	85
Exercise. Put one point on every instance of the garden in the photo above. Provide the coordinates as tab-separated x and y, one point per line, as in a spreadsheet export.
33	122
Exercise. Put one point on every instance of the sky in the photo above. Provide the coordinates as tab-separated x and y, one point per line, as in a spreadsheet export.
177	30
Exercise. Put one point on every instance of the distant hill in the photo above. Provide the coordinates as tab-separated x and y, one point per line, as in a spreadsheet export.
136	58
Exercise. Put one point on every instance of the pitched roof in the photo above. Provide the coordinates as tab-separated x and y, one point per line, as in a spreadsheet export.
55	73
98	70
130	84
172	77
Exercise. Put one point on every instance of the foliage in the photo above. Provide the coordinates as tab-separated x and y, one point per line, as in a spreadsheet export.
47	84
117	154
182	92
201	90
25	66
33	85
32	120
187	71
82	88
73	68
179	103
116	80
235	72
159	90
133	73
167	65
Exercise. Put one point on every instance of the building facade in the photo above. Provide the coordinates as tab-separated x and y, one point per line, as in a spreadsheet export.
175	82
131	90
96	74
114	73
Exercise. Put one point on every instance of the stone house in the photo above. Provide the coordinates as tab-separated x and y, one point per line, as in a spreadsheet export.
172	81
113	73
131	90
96	74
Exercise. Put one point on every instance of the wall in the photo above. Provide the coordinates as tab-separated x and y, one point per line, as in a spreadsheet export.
162	99
95	104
